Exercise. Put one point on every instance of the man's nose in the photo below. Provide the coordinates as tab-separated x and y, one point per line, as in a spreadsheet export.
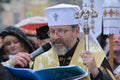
56	36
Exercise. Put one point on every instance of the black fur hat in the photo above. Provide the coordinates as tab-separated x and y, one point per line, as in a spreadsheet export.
11	30
42	32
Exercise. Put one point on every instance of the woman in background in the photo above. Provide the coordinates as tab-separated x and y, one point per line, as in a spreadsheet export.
14	42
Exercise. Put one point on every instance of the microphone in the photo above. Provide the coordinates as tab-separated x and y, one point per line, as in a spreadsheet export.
37	52
40	50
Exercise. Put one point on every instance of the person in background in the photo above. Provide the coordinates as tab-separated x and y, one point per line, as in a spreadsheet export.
15	42
116	49
42	35
4	73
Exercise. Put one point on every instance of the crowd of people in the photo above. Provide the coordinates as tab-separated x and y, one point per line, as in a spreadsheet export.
62	32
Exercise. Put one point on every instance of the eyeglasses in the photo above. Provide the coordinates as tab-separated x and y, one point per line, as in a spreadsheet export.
60	32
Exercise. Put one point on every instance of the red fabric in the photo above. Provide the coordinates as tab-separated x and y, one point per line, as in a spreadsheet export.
30	29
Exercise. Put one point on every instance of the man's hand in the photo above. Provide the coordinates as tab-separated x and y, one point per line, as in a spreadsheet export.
89	62
22	59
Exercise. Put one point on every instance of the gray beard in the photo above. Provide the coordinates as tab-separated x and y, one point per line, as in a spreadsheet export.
60	51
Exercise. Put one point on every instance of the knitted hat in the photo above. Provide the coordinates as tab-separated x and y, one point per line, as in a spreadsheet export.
42	32
20	35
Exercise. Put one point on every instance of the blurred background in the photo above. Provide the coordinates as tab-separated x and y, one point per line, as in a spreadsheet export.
13	11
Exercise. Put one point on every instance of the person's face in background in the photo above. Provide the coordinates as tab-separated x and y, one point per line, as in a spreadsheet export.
116	42
116	47
43	42
42	35
63	38
12	45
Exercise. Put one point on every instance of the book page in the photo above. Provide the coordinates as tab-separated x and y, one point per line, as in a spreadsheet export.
79	77
25	73
61	73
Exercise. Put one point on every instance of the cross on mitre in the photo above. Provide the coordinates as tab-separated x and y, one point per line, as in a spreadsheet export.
55	16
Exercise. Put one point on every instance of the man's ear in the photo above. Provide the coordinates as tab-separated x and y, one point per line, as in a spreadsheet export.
77	31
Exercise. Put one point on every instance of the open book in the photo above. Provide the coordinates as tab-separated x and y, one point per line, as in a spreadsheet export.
57	73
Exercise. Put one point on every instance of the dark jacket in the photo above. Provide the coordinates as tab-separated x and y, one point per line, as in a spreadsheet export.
5	74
